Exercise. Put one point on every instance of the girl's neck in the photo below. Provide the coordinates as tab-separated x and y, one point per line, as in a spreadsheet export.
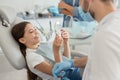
105	10
33	46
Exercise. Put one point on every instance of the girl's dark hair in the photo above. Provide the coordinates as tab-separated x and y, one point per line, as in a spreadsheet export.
17	33
107	0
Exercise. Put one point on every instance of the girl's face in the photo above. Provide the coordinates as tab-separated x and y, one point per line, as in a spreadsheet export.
31	36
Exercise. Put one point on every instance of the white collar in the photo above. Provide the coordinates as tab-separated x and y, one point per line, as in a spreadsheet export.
31	50
104	20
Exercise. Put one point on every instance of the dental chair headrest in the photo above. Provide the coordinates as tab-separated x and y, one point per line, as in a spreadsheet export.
7	14
7	43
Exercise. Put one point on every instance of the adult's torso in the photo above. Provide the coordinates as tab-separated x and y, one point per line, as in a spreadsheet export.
104	58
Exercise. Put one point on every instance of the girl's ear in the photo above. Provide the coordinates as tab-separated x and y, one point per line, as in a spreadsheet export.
22	40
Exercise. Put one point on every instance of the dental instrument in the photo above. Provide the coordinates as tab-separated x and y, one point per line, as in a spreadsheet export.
50	23
56	28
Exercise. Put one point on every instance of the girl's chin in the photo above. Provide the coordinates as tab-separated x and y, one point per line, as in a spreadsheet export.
38	42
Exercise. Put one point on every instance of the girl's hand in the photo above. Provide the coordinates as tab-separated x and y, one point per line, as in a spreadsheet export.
65	35
58	41
56	48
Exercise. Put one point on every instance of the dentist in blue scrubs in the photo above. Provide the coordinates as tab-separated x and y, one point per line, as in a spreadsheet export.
71	8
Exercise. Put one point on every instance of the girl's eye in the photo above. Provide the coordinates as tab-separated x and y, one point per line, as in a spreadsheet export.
31	31
35	29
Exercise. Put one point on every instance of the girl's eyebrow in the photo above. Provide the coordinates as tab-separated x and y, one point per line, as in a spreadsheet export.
35	27
30	29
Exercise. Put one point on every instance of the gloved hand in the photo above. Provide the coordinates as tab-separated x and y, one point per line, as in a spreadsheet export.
58	67
65	78
61	74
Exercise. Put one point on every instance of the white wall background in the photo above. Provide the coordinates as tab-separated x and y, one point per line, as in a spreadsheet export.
119	4
22	5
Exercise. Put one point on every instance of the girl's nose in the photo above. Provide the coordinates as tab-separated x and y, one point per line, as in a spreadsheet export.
37	31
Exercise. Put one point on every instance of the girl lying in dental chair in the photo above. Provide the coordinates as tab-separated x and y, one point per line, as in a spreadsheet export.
28	38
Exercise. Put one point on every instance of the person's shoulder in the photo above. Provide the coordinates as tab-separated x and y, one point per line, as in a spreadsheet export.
117	12
113	24
30	53
112	20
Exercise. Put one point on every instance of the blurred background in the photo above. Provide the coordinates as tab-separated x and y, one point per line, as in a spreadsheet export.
37	12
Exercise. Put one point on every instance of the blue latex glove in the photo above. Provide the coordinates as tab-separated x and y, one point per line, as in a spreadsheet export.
73	74
58	67
54	11
65	78
61	74
56	75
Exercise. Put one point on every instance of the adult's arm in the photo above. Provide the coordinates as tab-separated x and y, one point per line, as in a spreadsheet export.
80	62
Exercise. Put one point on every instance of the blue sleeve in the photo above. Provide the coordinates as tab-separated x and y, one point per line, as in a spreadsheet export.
76	14
76	3
73	74
70	2
76	10
66	18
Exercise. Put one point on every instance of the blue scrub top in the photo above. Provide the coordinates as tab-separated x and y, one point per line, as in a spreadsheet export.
66	18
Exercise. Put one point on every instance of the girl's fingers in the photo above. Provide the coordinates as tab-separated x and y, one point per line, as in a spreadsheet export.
65	35
58	40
